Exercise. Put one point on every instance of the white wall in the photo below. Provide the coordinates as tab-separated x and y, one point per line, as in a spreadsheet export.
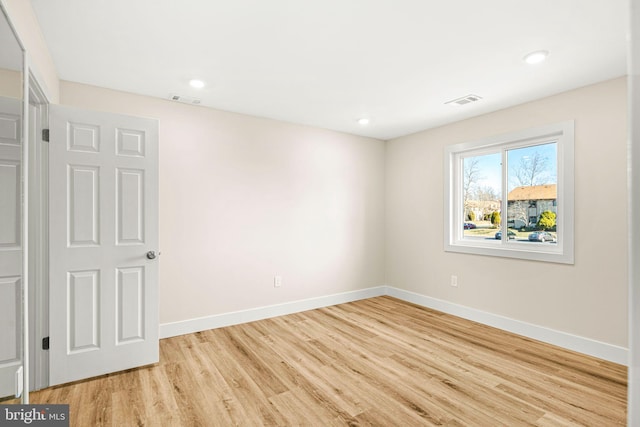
244	198
588	299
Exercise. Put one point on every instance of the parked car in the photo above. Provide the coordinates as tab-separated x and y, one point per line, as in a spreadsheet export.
469	226
541	236
510	234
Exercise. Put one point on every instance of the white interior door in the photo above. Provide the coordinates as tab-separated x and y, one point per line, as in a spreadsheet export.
10	244
103	207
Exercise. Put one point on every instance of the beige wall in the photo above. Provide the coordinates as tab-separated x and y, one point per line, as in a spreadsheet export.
26	25
633	401
588	299
243	199
10	83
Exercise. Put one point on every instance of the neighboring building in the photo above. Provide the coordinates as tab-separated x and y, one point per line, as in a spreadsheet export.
525	204
481	208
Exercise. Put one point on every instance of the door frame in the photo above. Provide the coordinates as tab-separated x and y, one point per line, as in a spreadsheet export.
38	295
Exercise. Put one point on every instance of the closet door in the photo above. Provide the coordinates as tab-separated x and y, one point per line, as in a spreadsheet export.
10	244
103	201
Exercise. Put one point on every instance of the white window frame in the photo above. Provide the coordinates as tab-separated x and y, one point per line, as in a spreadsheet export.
562	251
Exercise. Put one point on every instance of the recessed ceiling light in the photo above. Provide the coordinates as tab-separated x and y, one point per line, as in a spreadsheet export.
195	83
536	57
363	121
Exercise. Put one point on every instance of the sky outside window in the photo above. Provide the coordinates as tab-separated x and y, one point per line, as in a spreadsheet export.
538	162
534	165
488	175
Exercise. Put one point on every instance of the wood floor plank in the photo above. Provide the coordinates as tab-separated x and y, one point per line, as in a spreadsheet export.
159	402
375	362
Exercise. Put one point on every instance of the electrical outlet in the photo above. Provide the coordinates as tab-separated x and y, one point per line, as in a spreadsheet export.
277	281
454	281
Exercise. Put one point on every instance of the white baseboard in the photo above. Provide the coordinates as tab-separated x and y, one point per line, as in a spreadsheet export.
237	317
582	345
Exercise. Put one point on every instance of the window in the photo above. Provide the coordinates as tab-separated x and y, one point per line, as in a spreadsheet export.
512	195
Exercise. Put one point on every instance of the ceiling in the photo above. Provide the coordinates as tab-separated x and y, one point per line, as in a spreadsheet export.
327	63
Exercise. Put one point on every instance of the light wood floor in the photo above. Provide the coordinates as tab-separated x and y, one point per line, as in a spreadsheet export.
378	362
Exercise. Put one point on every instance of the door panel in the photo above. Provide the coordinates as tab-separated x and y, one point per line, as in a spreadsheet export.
84	205
83	290
10	295
10	206
130	300
103	172
130	206
10	244
10	122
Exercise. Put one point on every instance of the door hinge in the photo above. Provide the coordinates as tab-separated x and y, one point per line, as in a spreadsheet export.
45	135
45	343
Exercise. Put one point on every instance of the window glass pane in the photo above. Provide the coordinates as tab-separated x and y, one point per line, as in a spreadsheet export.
481	194
533	187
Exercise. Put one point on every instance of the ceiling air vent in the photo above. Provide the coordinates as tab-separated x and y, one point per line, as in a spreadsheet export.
185	99
465	100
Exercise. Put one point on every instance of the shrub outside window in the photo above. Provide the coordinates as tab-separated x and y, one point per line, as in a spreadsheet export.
512	195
